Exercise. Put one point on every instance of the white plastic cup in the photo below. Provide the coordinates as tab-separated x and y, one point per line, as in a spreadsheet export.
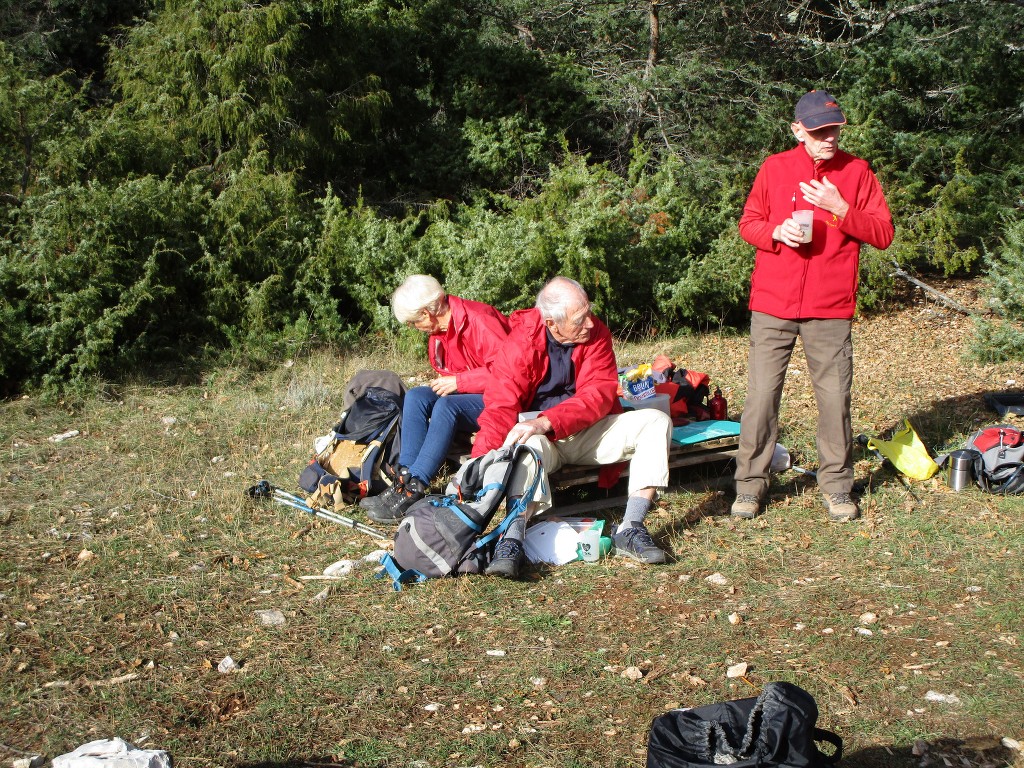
805	218
590	545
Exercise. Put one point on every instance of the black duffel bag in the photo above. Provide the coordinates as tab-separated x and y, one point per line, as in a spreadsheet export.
774	730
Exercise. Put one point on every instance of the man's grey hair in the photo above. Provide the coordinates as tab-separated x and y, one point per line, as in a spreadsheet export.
416	297
558	296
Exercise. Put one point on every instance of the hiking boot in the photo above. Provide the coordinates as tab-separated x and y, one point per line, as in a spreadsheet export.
747	506
396	500
374	502
841	507
636	542
508	559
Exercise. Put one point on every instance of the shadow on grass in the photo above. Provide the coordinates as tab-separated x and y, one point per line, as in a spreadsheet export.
973	752
313	761
943	424
880	757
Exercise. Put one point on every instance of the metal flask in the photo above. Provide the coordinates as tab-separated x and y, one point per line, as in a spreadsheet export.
961	469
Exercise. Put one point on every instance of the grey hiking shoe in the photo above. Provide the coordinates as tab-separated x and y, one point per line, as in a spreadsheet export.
841	507
374	502
508	559
396	500
747	506
636	542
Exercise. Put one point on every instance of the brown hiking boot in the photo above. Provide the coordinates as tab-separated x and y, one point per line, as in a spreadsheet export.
841	507
747	506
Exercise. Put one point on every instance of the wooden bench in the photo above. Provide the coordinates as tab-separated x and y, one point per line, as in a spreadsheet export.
719	449
714	450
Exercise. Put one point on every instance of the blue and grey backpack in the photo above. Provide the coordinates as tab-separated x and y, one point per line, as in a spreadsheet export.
444	535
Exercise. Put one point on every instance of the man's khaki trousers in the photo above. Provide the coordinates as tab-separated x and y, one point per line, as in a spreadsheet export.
829	352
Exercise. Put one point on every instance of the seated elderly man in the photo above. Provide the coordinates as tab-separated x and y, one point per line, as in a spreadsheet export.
558	361
463	338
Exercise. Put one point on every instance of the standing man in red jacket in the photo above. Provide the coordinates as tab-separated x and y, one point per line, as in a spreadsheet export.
805	284
557	372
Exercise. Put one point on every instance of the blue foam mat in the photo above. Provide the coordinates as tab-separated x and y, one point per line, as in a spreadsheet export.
699	431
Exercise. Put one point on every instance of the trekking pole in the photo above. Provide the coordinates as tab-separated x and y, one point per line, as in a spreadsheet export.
263	489
334	517
327	514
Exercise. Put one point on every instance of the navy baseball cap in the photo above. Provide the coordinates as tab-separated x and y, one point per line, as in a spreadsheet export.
816	109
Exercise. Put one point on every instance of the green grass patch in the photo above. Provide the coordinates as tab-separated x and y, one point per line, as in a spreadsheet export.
132	564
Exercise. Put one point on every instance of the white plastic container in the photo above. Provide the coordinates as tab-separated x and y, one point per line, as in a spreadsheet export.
659	401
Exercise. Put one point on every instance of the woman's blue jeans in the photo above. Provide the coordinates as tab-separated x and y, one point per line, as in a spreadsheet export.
429	423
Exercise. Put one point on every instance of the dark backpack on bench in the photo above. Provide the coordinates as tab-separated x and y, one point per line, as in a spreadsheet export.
774	730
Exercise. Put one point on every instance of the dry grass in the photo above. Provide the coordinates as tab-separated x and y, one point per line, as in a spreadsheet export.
131	564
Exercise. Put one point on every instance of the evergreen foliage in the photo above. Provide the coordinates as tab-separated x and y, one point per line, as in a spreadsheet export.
183	177
39	116
1001	337
104	278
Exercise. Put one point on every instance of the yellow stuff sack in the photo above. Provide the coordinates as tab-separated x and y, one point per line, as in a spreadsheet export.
906	452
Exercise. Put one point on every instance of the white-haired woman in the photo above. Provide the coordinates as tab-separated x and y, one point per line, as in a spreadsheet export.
463	338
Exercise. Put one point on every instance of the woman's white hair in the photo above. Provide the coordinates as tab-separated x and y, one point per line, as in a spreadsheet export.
416	297
558	296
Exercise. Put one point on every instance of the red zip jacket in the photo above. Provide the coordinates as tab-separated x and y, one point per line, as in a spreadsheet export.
476	332
519	369
819	279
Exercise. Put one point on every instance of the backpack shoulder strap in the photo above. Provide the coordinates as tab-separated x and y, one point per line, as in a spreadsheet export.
373	457
519	506
451	503
1007	486
820	734
399	576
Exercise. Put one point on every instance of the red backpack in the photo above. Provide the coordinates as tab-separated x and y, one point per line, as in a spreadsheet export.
999	459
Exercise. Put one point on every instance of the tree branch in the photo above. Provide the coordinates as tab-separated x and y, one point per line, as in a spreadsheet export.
876	22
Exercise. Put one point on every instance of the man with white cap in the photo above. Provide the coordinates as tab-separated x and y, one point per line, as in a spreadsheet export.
807	287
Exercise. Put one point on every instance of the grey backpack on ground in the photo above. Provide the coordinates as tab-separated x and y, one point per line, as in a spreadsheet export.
444	535
999	459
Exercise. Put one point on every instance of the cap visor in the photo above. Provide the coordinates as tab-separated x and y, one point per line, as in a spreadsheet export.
814	123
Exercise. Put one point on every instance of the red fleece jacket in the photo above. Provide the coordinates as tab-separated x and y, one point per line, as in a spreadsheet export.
817	280
476	332
519	369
